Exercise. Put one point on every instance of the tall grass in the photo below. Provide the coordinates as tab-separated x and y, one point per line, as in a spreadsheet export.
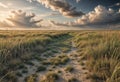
14	45
102	50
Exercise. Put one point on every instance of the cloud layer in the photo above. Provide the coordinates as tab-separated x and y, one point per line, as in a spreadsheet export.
22	19
77	1
3	5
62	6
114	5
99	16
4	24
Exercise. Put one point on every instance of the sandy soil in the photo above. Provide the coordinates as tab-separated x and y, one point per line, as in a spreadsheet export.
78	71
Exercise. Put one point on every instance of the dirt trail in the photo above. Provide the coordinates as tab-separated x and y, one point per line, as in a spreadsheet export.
79	71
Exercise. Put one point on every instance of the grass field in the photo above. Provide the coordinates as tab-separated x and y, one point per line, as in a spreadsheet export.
59	56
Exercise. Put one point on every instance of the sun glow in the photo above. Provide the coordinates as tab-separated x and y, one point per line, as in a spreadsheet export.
4	15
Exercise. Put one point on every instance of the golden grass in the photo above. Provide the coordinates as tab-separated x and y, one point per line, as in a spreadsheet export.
102	50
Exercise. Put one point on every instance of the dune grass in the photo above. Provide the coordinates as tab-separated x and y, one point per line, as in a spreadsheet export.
50	77
102	52
59	60
72	80
69	68
20	45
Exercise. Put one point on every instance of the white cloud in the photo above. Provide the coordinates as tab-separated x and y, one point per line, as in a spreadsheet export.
22	19
29	1
28	8
99	16
116	4
57	24
78	1
48	14
3	5
62	6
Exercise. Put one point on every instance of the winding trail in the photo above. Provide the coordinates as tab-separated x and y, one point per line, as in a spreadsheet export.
79	72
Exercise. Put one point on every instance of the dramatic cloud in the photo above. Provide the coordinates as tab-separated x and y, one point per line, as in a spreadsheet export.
22	19
62	6
100	16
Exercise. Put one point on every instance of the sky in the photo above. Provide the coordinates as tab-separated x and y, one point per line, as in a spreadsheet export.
59	14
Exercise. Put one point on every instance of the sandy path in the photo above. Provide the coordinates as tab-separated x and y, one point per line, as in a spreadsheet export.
78	72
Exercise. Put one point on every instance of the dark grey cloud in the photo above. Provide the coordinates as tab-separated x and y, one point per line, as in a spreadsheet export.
62	6
22	19
99	16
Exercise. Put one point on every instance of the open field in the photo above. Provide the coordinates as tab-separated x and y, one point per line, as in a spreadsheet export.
59	56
